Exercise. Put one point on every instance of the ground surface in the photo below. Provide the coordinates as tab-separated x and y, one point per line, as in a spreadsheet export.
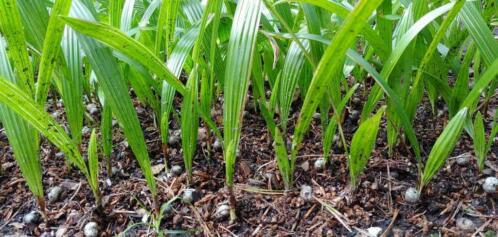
378	201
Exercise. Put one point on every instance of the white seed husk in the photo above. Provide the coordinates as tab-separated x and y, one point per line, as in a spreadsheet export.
374	231
319	164
306	193
54	194
176	170
490	184
412	195
465	224
91	229
33	217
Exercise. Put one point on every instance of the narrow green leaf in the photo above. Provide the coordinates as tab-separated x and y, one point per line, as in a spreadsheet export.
93	166
487	77
443	146
72	85
363	143
480	32
190	122
128	46
332	126
282	158
239	61
106	132
10	24
35	17
294	62
166	25
479	141
51	48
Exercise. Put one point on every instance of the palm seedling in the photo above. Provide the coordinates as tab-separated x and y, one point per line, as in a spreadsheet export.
19	132
240	54
19	102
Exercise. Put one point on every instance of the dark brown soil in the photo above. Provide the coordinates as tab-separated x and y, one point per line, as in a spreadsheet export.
378	201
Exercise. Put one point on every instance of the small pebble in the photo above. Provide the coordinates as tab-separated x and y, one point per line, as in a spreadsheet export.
306	193
356	100
319	164
55	114
316	116
269	176
214	113
92	109
490	184
355	115
412	195
108	182
91	229
217	144
440	113
173	140
54	194
189	195
335	139
145	218
115	170
34	217
59	155
222	211
201	134
85	131
374	231
305	165
176	170
463	159
465	224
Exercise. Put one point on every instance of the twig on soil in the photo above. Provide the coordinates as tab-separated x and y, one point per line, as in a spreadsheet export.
207	232
250	189
388	229
72	197
337	215
389	179
124	212
263	165
309	211
314	226
297	222
457	209
256	231
228	231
